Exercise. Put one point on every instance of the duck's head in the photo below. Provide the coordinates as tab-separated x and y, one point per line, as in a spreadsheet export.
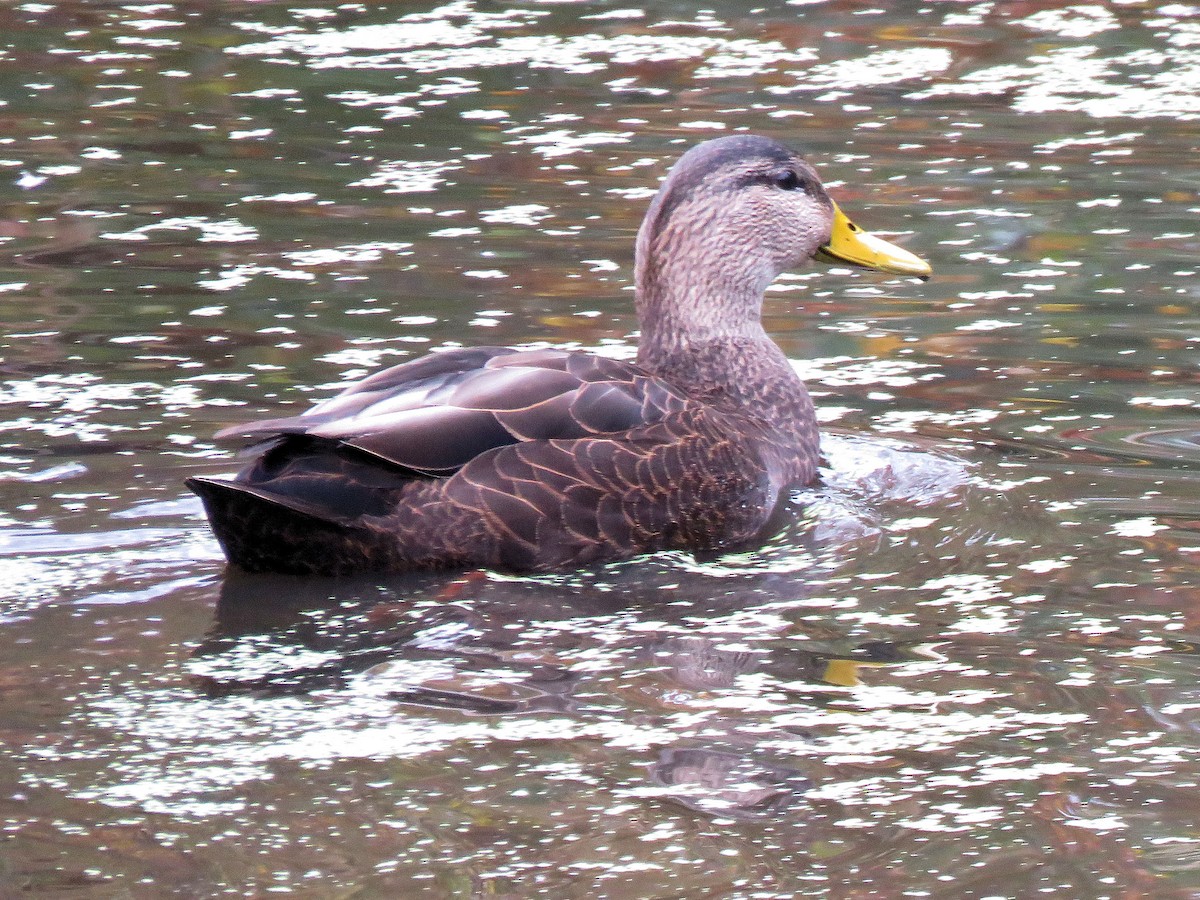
733	214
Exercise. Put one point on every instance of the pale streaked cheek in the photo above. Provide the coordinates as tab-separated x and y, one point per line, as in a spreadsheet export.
818	225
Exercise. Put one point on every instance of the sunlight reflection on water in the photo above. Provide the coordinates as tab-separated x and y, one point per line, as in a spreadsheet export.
967	664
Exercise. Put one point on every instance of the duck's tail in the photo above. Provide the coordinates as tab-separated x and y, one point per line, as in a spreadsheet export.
264	532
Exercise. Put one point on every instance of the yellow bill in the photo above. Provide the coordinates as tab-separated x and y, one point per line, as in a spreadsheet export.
850	244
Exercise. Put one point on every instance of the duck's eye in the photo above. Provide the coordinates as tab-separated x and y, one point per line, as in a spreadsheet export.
788	181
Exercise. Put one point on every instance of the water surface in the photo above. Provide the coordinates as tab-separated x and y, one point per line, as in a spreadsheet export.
967	666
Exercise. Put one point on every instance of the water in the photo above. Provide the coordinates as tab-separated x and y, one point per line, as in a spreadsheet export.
968	665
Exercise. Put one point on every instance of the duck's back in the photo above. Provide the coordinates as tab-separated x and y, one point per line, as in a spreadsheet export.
529	460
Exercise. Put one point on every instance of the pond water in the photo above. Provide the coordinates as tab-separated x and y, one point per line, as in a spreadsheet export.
967	667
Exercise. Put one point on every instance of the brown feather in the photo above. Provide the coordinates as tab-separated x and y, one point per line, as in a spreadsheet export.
543	459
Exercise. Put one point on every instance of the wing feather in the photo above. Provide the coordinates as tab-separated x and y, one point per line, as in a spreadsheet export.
466	359
601	497
435	414
510	387
543	421
435	440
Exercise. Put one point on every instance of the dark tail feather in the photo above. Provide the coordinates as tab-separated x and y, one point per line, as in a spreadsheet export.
264	532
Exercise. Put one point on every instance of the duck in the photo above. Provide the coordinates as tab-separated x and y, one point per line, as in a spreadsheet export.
552	459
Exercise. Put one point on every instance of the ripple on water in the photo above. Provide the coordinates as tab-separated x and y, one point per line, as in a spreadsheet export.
967	665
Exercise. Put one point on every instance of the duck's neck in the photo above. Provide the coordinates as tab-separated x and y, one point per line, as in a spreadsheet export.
692	291
684	323
702	331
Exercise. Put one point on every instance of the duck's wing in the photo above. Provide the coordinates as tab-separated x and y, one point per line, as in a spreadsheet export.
698	478
434	415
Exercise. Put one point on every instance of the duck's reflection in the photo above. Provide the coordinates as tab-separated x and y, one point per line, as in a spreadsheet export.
727	784
630	648
284	634
490	645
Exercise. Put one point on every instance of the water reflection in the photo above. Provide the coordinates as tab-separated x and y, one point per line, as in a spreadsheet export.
326	631
505	648
970	670
727	785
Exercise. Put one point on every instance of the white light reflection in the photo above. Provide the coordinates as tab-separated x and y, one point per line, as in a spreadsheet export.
225	231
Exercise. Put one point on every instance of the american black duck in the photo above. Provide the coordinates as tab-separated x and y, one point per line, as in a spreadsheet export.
548	459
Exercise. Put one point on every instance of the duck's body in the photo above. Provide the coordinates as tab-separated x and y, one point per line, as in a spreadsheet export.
548	459
529	460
